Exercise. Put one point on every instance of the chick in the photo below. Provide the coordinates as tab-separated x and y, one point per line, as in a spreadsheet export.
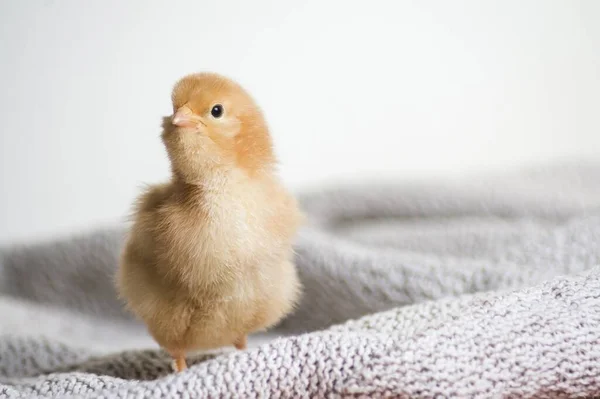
209	258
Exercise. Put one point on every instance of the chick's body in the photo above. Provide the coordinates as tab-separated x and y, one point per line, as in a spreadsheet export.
209	257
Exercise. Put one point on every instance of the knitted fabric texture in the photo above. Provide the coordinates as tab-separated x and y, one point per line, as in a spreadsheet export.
481	289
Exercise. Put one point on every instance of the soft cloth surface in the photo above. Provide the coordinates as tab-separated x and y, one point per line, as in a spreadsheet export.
479	289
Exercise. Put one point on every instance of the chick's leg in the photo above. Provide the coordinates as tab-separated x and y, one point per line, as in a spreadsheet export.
241	343
179	363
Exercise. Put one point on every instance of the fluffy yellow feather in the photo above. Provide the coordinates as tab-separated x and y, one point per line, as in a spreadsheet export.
209	258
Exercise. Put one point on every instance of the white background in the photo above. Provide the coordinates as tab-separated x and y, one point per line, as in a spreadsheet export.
350	88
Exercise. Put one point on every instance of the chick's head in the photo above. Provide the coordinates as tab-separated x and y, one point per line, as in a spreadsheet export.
215	126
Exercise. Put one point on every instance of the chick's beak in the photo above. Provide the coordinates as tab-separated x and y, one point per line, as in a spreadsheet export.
184	117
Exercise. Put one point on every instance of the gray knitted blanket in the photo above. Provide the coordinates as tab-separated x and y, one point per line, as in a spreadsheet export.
482	289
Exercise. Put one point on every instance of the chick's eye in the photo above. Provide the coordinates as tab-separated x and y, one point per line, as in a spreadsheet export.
217	111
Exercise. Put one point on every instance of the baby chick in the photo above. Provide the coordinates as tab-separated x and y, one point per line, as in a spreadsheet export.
209	257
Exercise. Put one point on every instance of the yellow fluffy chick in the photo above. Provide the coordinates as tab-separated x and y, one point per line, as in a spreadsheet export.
209	257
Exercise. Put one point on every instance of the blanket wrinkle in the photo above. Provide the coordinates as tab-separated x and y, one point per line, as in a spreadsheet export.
482	288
